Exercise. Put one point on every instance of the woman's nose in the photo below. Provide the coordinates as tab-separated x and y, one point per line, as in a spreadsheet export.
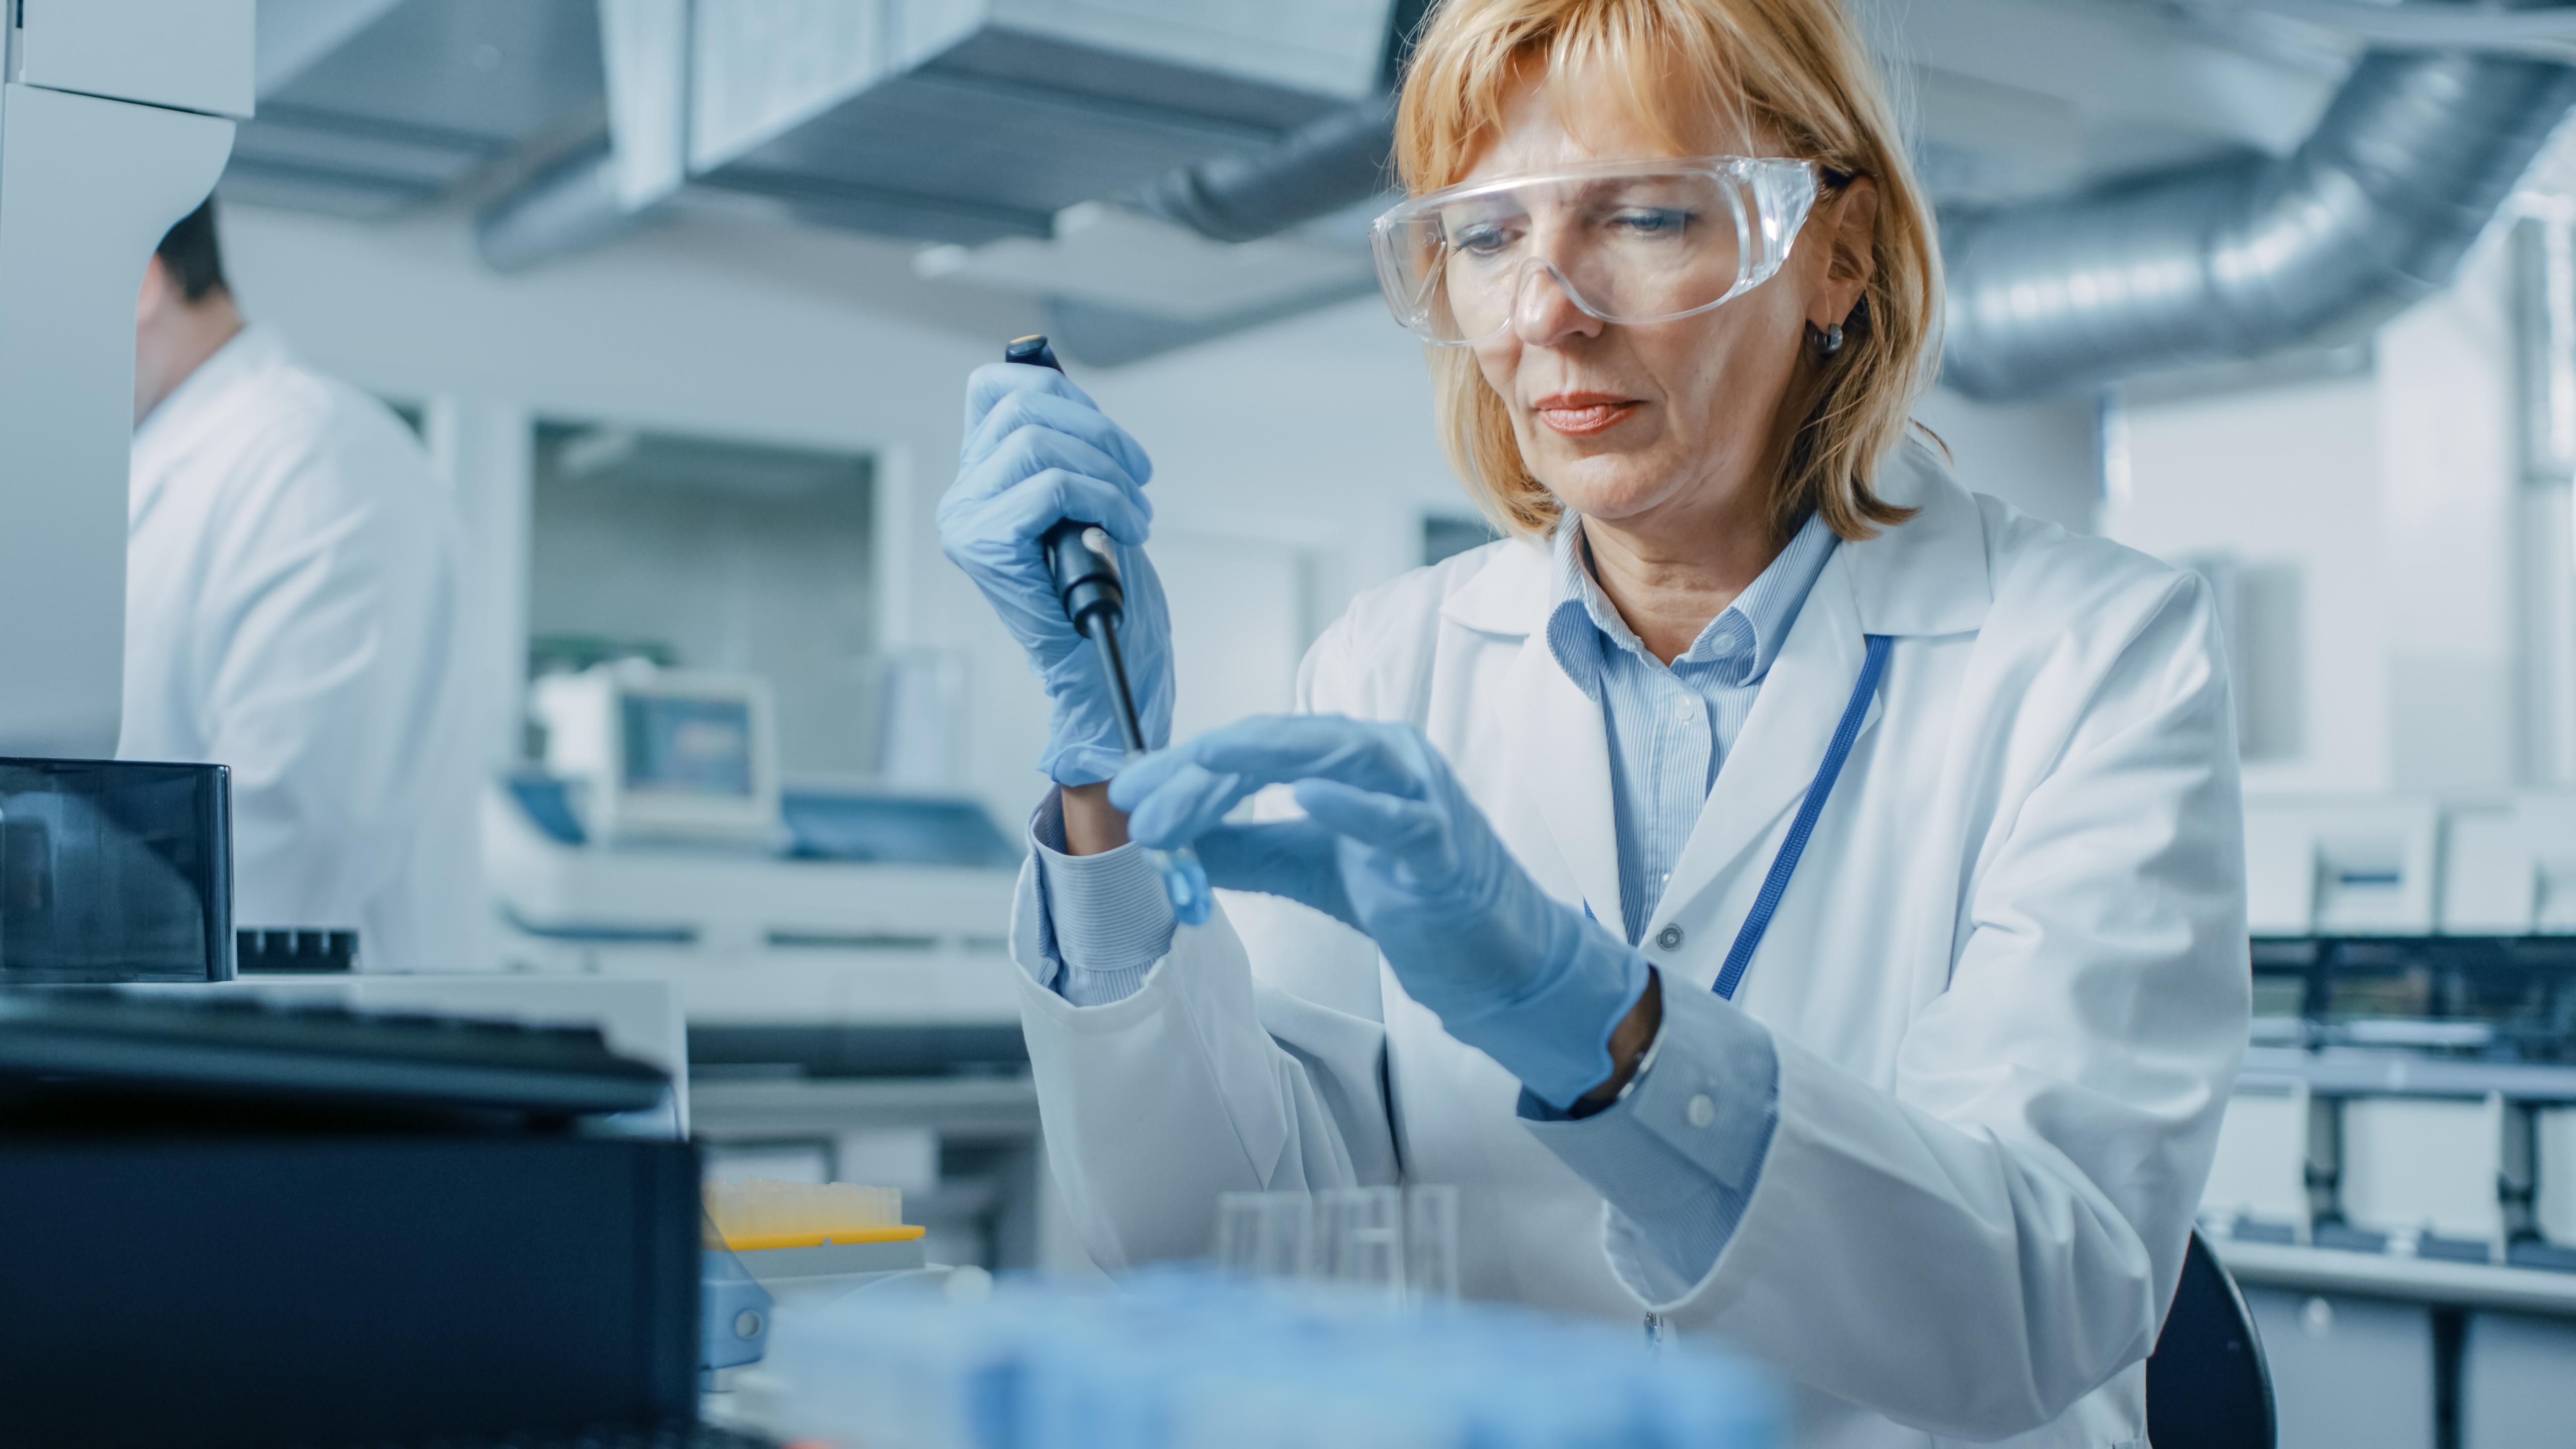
1544	312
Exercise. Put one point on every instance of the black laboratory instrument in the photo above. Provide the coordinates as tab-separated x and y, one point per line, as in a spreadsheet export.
298	1225
1083	561
115	871
234	1047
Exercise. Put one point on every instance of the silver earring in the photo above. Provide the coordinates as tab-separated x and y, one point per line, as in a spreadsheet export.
1829	339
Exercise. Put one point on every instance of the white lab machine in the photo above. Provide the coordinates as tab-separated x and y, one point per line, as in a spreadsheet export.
2510	867
663	753
813	955
2259	1181
837	930
2553	1150
115	120
2328	865
2437	1176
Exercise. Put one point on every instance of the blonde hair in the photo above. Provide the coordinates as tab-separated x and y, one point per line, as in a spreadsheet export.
1798	74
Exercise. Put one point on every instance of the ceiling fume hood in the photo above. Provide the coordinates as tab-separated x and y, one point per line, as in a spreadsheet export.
956	121
369	108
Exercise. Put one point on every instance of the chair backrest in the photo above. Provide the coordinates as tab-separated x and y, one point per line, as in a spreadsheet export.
2207	1384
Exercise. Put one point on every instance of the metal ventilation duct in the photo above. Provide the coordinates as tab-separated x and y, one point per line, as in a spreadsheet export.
1336	162
1339	161
2237	259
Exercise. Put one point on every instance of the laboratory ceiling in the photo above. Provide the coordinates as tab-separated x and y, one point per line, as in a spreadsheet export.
989	153
374	107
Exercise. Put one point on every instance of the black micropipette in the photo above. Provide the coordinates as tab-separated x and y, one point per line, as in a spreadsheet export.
1083	562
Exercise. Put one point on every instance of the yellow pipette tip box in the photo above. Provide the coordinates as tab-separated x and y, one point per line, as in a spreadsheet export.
757	1215
756	1242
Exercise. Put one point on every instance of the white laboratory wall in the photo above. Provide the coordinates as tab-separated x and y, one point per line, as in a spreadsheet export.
1294	463
738	559
2450	440
2286	481
2044	458
724	329
2373	523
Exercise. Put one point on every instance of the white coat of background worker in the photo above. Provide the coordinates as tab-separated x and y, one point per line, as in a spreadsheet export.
294	610
1931	1145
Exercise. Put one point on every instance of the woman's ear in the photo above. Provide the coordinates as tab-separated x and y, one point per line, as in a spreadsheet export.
1851	260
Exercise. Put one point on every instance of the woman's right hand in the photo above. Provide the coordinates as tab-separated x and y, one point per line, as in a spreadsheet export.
1038	450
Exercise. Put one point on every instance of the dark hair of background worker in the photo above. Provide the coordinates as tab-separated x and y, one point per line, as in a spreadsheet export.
194	258
185	313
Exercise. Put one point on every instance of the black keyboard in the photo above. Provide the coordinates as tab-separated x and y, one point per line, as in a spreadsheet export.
678	1436
235	1043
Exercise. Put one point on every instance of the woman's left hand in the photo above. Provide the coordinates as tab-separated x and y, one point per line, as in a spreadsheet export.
1392	845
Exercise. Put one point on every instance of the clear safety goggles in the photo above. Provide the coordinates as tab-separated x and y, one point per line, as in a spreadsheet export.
1628	241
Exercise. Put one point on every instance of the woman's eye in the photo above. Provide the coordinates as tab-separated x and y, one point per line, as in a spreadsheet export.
1481	239
1650	222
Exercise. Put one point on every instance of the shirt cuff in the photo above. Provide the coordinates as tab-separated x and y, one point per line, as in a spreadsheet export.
1107	919
1678	1156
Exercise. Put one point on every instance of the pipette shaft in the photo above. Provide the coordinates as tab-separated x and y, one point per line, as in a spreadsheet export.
1084	563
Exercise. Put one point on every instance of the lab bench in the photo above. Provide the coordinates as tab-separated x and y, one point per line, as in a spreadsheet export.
2392	1188
2395	1185
2372	1349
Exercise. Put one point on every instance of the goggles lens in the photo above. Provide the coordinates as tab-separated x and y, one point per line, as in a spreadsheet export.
1628	243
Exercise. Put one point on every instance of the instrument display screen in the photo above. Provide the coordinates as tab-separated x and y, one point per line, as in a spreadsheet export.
682	745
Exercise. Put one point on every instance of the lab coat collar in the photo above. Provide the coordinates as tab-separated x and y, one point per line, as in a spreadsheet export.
1558	742
1925	576
197	407
1510	594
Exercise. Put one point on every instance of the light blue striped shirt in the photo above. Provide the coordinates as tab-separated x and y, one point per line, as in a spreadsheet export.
1678	1157
1671	727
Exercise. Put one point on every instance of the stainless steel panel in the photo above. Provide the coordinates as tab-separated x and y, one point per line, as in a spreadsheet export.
2518	1382
2348	1373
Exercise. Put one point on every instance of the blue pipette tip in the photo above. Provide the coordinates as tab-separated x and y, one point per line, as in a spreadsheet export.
1185	884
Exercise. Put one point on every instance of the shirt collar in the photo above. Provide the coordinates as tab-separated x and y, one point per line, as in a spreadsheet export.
1739	644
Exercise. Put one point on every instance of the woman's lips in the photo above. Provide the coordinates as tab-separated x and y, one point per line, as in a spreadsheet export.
1578	414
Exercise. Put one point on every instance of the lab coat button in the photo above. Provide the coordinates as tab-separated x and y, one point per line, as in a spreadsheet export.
1701	1110
1669	937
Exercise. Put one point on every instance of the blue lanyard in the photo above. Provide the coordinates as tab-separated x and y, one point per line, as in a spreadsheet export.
1785	864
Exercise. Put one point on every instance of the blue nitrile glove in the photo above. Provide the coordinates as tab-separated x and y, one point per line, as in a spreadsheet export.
1037	450
1297	859
1392	844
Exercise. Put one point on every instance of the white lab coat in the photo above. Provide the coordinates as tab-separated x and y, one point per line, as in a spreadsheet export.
293	610
2008	985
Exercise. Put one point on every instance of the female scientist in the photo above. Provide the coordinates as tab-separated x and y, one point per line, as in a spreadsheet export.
1795	899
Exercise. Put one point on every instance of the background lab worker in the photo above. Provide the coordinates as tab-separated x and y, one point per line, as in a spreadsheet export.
1918	1113
292	611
